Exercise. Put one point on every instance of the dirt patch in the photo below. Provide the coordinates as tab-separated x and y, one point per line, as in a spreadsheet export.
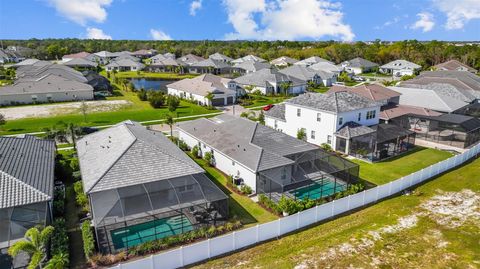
40	111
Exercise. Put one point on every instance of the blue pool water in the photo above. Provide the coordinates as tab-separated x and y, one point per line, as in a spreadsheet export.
319	189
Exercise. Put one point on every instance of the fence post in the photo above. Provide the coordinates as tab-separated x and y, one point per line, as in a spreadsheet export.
363	197
390	188
348	202
181	256
316	213
209	250
152	261
233	241
298	220
278	229
256	235
333	208
376	197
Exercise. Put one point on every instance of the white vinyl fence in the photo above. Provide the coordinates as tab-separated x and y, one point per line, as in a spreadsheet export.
224	244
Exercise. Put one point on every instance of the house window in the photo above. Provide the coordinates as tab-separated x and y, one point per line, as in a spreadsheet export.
359	116
319	117
329	139
340	121
312	134
299	112
371	114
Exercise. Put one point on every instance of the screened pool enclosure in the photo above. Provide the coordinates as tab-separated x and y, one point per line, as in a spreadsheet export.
316	174
128	216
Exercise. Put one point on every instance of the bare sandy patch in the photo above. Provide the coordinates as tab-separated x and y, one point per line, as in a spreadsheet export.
41	111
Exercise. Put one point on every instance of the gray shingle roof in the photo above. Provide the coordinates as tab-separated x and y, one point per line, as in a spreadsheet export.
125	62
190	59
264	77
252	66
211	63
359	63
247	58
313	60
130	155
48	84
41	69
220	57
277	111
283	60
305	73
401	64
472	80
352	129
326	67
246	142
454	65
26	170
333	101
203	84
80	62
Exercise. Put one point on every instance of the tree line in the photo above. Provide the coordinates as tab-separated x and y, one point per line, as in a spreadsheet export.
423	53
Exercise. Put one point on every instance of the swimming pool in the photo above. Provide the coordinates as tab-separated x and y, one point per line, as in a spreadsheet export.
148	231
319	189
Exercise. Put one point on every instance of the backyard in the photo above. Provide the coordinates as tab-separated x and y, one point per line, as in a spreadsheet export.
253	100
436	226
397	167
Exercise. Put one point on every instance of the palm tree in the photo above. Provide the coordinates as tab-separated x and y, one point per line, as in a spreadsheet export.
35	245
209	97
285	86
59	261
170	121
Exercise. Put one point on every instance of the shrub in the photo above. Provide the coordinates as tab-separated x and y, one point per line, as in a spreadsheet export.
180	143
326	146
59	243
268	203
156	99
80	196
212	231
289	206
195	151
88	239
301	134
245	189
208	157
142	95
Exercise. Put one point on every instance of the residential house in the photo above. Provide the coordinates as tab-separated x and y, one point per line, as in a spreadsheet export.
377	93
308	74
28	62
358	65
247	67
27	166
267	161
399	68
8	57
68	57
329	68
467	78
81	63
247	58
220	57
101	85
198	88
190	59
313	60
124	64
41	69
144	53
209	66
104	57
270	81
48	88
283	61
454	65
142	181
164	65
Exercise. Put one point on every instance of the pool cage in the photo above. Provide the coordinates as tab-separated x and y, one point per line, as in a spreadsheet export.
455	130
125	217
315	174
387	141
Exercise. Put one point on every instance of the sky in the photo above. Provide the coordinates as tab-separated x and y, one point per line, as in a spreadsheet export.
341	20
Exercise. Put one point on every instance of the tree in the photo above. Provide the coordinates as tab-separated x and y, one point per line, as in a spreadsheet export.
131	87
156	99
72	131
84	110
261	118
170	121
59	261
3	121
34	244
173	102
285	86
301	134
209	97
142	95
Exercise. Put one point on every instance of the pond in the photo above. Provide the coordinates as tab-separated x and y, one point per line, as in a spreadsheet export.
151	84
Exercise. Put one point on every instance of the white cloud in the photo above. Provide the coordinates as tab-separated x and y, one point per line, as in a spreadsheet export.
81	11
286	19
159	35
458	12
194	6
95	33
425	22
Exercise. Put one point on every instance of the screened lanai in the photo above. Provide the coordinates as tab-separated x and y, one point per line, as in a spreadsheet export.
128	216
316	174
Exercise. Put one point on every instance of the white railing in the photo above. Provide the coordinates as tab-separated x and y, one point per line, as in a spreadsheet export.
224	244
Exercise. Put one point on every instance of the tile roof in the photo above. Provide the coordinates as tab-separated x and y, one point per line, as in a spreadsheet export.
211	63
252	66
41	69
220	57
80	62
326	67
335	102
313	60
125	62
352	129
359	63
82	54
472	80
305	73
395	111
251	144
373	92
401	64
203	84
427	98
445	86
190	59
250	57
454	65
283	60
130	155
267	76
26	170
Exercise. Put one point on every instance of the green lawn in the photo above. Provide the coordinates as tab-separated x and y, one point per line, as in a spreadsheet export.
397	167
428	244
261	100
319	89
374	75
247	211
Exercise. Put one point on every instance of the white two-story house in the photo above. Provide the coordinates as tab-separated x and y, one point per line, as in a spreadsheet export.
325	117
